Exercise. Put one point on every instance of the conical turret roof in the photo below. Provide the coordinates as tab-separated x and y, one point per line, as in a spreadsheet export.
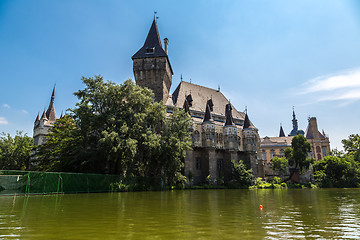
228	114
281	134
186	106
43	116
247	123
50	112
37	118
152	46
207	117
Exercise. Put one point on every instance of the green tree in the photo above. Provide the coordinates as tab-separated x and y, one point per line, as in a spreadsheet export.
297	155
335	171
119	129
241	175
15	151
280	164
62	150
352	146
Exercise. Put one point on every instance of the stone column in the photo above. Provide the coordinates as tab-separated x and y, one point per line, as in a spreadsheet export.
212	165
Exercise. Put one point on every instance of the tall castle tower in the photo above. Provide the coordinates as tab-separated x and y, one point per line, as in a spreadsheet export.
152	67
43	124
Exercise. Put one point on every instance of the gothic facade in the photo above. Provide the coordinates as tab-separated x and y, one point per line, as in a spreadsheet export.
43	124
275	146
220	133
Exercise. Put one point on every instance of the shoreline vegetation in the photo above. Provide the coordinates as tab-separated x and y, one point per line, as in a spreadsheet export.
120	130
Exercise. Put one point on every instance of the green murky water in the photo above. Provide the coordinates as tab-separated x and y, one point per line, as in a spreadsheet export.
196	214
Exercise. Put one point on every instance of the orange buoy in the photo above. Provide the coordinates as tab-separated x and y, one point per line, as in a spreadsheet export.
261	207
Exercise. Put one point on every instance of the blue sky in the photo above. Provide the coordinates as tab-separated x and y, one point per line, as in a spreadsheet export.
268	55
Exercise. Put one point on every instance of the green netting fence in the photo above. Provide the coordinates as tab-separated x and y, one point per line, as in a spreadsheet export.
28	182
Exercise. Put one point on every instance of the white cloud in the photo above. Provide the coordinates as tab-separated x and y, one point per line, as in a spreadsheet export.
3	121
24	111
6	105
343	86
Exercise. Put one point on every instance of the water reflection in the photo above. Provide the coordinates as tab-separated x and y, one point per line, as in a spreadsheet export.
200	214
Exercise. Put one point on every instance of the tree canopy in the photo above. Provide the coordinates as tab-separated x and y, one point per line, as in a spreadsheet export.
340	169
15	151
118	129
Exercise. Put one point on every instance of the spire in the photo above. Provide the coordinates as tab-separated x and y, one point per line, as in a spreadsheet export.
50	112
186	106
294	131
228	114
44	116
37	118
152	46
294	121
281	134
208	117
246	122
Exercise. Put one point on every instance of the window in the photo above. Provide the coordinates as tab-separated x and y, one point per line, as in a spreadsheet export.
324	151
272	153
198	163
318	149
150	50
263	155
196	136
220	164
282	154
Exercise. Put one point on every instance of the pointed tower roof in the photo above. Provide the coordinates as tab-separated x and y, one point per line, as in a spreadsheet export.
247	123
37	118
228	114
44	115
152	46
207	117
50	112
281	134
186	106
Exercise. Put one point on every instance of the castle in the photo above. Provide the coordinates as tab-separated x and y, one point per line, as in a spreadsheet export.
219	132
42	125
274	146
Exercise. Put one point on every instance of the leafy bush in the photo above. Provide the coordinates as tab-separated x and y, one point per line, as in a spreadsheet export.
241	175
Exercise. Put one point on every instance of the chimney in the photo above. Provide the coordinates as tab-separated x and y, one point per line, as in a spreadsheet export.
166	42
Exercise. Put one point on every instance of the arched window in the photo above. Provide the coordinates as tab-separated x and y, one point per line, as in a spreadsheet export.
263	155
324	151
282	154
318	150
272	153
196	136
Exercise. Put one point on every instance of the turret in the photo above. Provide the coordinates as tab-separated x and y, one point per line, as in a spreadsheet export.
250	135
208	126
50	112
295	131
230	130
152	67
281	134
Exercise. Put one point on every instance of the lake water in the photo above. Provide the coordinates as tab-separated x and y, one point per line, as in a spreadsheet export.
189	214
